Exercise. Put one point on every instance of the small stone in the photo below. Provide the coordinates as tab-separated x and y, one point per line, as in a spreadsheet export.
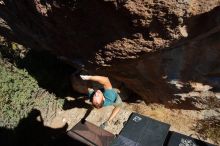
200	87
183	31
64	120
194	94
117	122
217	95
180	20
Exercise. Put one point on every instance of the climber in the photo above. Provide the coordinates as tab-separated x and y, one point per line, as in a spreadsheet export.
105	96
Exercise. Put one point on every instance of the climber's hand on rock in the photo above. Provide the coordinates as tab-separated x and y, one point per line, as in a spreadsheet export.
85	77
104	125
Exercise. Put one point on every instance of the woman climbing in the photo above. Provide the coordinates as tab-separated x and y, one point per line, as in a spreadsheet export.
101	97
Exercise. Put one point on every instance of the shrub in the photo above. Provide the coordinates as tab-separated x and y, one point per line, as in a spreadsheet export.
209	128
16	90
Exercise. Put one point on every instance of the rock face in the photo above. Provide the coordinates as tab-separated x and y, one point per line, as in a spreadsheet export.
150	45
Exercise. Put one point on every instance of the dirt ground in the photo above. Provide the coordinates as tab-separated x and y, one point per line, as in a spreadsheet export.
183	121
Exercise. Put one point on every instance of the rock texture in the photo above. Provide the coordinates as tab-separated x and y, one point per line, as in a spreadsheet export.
154	47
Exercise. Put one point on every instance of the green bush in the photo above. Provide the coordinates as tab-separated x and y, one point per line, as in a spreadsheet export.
209	128
16	90
19	91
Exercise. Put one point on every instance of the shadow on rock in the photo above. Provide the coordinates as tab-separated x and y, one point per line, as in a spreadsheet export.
31	132
50	73
188	103
77	103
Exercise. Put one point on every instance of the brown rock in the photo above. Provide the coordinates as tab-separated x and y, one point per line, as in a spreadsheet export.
132	41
